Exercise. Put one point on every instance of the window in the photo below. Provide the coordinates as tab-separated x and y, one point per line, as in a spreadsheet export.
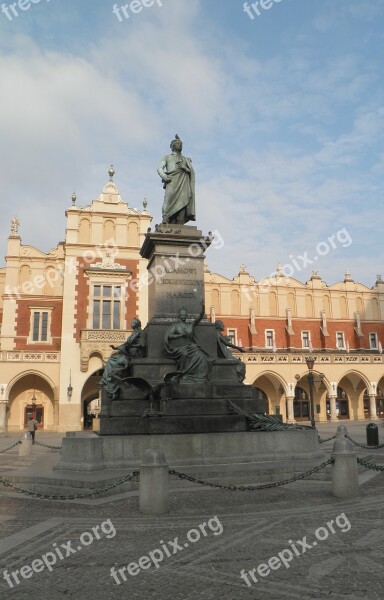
373	342
269	338
232	334
340	340
40	326
106	306
305	339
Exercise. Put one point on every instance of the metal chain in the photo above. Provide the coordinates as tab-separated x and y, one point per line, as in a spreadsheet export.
371	466
322	440
249	488
48	446
362	445
10	448
110	486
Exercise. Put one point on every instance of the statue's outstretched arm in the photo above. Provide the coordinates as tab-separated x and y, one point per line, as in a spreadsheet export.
201	315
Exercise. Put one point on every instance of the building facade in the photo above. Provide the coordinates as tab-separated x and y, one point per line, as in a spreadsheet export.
60	312
281	321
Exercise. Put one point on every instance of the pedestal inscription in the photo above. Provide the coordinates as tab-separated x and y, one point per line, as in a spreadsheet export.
175	269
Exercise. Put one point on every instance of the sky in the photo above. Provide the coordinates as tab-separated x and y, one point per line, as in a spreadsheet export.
280	108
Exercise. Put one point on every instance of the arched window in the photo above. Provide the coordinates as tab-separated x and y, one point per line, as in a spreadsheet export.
272	303
84	231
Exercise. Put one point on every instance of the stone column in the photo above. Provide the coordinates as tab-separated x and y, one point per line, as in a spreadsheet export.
332	402
3	416
289	400
372	408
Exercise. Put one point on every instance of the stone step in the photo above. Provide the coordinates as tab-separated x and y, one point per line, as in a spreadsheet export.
172	424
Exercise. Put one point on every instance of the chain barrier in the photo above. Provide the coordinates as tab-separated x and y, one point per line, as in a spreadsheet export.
323	440
362	445
250	488
106	488
48	446
371	466
10	447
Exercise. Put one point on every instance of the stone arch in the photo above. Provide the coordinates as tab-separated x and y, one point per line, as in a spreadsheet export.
301	404
274	386
327	306
133	234
216	300
272	304
22	388
90	398
52	281
84	231
359	306
24	274
108	230
291	303
343	307
308	305
235	300
354	383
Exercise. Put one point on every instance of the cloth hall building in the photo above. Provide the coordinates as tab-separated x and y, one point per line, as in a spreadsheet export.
61	311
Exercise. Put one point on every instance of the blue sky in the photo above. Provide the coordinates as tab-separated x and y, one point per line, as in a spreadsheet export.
282	116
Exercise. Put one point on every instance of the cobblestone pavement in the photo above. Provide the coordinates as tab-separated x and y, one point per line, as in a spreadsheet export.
336	546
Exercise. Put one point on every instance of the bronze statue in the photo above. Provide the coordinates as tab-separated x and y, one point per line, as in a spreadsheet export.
223	343
178	176
181	344
133	347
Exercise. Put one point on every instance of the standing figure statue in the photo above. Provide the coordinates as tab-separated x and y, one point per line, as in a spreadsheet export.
133	347
223	343
178	176
181	344
15	226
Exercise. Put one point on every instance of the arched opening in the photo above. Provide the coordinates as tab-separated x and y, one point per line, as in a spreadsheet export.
90	399
270	388
302	403
30	395
350	402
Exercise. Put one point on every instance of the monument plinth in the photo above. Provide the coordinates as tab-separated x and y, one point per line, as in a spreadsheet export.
182	383
175	255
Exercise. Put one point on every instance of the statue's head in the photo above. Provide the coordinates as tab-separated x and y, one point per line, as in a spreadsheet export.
177	144
183	314
136	323
219	325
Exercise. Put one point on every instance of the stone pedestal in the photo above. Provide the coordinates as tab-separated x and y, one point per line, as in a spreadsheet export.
175	256
285	452
154	498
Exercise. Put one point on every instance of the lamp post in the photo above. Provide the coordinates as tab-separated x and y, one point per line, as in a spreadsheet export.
70	388
33	399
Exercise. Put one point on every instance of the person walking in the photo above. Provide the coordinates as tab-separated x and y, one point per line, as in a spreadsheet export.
32	426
